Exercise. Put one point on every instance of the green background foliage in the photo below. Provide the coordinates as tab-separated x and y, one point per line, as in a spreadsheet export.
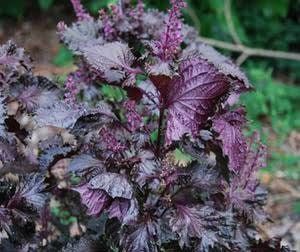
274	109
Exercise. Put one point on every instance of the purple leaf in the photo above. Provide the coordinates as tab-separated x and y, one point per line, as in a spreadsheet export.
81	35
118	208
113	61
142	238
147	168
84	244
192	97
132	213
34	92
31	190
5	221
52	154
256	159
245	195
115	185
83	162
205	177
14	57
13	63
186	222
63	115
31	96
229	127
8	149
123	209
94	199
200	222
161	73
239	80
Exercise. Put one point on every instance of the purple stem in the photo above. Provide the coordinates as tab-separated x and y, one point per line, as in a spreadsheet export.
160	124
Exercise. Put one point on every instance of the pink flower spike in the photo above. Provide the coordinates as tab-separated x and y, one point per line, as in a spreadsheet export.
172	37
71	89
81	13
108	28
134	120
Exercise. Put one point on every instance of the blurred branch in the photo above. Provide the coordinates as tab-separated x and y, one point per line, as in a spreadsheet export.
251	51
194	17
230	24
242	58
231	27
238	46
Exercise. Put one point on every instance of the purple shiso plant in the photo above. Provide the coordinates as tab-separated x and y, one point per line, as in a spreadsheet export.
166	167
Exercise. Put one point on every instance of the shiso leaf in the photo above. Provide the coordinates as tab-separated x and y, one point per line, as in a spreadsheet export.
81	34
31	189
94	199
229	127
113	61
83	162
193	97
115	185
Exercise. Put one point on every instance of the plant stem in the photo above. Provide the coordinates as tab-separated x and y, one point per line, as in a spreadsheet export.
160	124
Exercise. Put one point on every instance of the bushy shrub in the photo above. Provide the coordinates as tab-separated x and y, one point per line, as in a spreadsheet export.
166	166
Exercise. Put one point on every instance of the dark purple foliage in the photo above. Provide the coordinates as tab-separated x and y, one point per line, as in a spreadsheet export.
163	167
229	127
2	117
142	237
113	61
13	63
193	97
94	199
115	185
245	191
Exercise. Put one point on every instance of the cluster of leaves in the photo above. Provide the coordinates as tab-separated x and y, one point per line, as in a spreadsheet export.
166	164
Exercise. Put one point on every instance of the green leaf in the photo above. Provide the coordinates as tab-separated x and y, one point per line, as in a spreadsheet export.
154	136
95	6
64	57
182	158
296	207
114	94
55	211
45	4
